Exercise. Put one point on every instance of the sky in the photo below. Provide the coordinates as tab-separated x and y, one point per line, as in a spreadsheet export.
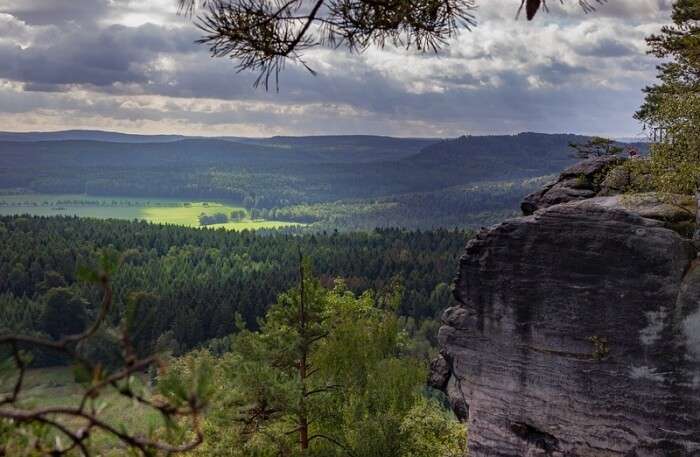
133	66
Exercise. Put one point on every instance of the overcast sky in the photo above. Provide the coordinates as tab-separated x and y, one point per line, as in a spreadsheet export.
132	66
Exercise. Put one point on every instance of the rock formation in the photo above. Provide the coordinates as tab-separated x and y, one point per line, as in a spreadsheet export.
578	182
578	329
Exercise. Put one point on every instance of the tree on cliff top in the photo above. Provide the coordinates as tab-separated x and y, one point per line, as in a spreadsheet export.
596	147
263	34
679	75
673	104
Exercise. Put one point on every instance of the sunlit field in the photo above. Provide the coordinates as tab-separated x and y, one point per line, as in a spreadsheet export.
155	210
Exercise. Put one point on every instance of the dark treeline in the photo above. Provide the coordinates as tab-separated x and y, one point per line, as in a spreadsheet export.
474	205
280	174
211	219
189	284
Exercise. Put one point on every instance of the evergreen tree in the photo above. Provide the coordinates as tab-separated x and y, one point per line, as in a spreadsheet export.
64	313
279	380
672	106
679	75
327	374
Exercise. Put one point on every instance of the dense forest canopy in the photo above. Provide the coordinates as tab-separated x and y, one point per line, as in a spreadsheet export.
223	293
231	338
192	283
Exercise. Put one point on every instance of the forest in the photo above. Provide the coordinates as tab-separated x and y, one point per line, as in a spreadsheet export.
345	183
192	284
223	309
141	314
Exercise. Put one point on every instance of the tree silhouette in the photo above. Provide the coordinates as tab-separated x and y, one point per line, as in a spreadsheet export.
263	34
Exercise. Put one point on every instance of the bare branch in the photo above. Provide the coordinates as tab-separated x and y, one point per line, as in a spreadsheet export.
63	418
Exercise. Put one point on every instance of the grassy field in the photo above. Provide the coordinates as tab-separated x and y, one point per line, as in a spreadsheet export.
156	210
46	387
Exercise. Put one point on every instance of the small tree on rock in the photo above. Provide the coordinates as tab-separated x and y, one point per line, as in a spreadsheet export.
596	147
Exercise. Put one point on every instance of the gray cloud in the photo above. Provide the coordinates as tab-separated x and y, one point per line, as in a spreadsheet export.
608	47
52	12
91	55
102	60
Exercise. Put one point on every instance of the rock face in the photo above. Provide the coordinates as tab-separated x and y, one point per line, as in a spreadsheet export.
577	334
578	182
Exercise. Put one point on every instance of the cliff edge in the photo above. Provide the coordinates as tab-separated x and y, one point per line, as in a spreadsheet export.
578	329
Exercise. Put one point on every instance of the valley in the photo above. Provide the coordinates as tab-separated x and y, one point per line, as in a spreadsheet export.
154	210
249	228
326	183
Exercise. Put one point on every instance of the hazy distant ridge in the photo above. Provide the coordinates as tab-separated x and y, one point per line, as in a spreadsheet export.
398	181
90	135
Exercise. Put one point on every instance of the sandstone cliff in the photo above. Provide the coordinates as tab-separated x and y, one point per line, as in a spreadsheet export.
578	329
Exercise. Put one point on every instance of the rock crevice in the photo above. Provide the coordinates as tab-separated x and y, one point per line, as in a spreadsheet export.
578	330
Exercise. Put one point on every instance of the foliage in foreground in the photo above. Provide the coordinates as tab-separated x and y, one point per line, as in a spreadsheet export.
329	373
28	429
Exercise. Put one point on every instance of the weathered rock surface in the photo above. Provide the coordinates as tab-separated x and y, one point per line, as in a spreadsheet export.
578	182
577	334
604	177
677	212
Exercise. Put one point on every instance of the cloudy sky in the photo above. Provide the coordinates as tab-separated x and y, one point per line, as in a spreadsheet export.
132	65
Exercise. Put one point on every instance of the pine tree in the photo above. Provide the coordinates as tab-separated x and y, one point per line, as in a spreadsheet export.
672	106
277	379
328	374
679	43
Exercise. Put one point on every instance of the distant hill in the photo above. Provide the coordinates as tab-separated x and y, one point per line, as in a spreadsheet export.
349	148
635	139
500	156
90	135
179	153
333	147
415	176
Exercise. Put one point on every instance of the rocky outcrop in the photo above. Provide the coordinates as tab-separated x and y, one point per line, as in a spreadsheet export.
578	330
578	182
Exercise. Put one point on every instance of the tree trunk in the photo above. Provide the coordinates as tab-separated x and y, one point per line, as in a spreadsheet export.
303	418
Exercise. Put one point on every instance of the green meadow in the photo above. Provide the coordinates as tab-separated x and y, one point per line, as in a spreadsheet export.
45	387
155	210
